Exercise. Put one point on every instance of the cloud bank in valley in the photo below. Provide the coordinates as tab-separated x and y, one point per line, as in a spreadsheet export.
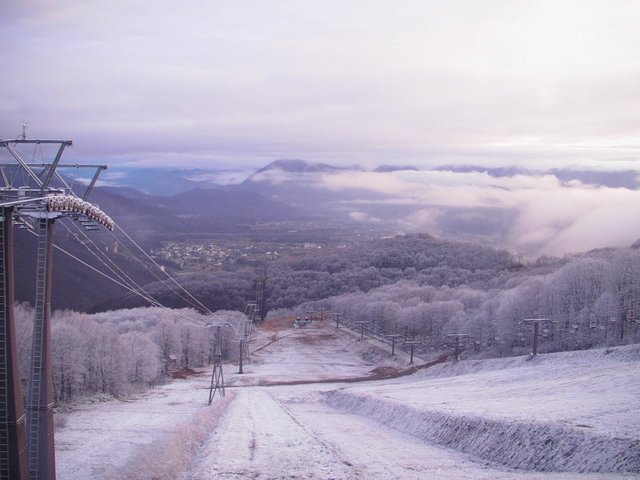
534	214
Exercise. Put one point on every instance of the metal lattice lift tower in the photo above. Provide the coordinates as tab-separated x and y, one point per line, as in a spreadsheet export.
36	195
217	378
260	281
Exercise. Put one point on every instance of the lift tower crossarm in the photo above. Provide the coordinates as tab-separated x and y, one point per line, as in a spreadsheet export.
53	171
35	141
93	181
22	163
43	184
54	165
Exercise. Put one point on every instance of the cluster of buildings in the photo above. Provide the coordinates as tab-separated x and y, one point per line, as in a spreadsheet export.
204	255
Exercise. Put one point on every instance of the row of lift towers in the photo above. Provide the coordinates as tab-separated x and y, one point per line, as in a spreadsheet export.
33	195
254	312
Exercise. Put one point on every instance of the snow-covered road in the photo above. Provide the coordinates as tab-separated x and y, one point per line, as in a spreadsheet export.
294	432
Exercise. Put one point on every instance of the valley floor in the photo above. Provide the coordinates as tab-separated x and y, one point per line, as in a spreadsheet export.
563	416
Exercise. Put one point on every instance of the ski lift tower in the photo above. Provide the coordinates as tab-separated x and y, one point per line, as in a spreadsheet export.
217	377
456	337
412	344
536	325
33	195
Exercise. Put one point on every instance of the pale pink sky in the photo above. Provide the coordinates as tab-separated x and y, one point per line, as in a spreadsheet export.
219	83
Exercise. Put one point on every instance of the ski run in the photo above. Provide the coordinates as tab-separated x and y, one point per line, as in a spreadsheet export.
311	405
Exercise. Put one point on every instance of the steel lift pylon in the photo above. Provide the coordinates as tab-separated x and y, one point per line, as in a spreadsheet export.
27	448
13	454
40	396
217	377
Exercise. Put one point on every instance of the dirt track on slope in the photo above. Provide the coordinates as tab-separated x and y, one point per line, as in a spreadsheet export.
281	328
378	373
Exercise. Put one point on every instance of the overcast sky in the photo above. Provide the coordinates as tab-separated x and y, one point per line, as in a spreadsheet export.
241	83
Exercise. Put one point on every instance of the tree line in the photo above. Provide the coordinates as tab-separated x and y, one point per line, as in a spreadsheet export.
120	351
586	301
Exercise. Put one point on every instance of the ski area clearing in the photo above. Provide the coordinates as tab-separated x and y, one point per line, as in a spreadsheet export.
321	403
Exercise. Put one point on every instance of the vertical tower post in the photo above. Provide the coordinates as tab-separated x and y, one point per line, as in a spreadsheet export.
362	324
241	355
217	379
536	322
13	452
40	397
393	338
260	296
535	337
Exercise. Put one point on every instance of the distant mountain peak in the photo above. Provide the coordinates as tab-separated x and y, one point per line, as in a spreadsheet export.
395	168
299	166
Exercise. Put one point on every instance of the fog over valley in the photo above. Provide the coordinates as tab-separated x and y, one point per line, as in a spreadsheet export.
550	212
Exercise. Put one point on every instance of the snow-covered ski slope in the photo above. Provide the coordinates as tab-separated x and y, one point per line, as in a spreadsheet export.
577	411
561	416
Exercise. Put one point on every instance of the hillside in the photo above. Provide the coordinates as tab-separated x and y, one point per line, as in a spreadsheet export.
559	416
356	265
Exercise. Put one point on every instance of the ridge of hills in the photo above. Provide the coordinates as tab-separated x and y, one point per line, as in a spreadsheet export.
284	202
159	181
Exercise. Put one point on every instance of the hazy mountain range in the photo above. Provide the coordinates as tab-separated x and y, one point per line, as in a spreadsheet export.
163	181
555	211
532	213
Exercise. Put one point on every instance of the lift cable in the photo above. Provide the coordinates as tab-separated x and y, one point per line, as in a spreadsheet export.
152	272
114	268
132	286
171	286
147	298
79	260
166	273
117	282
123	275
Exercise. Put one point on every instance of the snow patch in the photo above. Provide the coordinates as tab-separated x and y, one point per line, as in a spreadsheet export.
517	444
624	354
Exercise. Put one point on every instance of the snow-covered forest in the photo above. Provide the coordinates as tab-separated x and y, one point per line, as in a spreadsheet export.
121	351
591	300
417	286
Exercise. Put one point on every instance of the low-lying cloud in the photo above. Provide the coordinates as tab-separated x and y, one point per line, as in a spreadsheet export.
533	214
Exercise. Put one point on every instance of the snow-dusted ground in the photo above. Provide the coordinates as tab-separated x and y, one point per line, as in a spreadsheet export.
303	354
576	411
500	412
99	438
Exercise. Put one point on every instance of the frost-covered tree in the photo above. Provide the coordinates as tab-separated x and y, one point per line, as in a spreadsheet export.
67	358
141	358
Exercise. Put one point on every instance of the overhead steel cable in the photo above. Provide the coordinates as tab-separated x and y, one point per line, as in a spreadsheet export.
134	287
79	260
164	271
151	300
115	269
123	275
197	306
